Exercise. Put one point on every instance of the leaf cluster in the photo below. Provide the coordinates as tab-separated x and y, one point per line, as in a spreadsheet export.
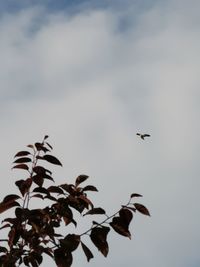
34	232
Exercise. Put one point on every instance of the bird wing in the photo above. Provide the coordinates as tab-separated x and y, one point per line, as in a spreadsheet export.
146	135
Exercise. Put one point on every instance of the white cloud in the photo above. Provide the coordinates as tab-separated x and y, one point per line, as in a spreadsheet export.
91	87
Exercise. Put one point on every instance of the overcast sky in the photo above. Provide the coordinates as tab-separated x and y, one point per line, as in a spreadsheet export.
91	74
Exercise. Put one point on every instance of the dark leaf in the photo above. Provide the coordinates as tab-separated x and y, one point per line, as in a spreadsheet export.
55	189
41	147
62	258
21	166
70	242
24	185
95	211
52	159
120	227
126	216
80	179
85	201
87	252
22	160
41	190
8	205
22	154
90	188
39	170
3	249
37	256
38	179
98	236
142	209
121	223
5	226
49	145
31	146
38	196
10	198
135	195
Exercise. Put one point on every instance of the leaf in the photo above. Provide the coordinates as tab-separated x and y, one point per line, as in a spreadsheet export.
38	196
10	198
41	147
37	179
70	242
126	215
135	195
142	209
120	227
98	236
52	159
85	201
22	160
49	145
80	179
22	154
62	258
5	226
46	137
87	252
24	185
21	166
41	190
95	211
3	249
90	188
55	189
121	223
8	205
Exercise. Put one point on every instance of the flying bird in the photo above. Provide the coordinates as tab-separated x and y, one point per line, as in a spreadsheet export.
143	135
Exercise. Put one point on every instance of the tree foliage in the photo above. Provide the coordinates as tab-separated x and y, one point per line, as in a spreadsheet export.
33	232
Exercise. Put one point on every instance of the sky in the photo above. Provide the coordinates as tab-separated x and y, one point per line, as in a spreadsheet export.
91	74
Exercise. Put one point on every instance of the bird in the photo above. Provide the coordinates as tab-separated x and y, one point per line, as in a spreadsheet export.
143	135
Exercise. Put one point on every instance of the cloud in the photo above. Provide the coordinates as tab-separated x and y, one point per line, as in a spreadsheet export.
91	80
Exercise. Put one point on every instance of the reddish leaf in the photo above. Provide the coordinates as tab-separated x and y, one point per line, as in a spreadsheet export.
21	166
22	154
135	195
52	159
142	209
98	236
95	211
22	160
87	252
80	179
90	188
